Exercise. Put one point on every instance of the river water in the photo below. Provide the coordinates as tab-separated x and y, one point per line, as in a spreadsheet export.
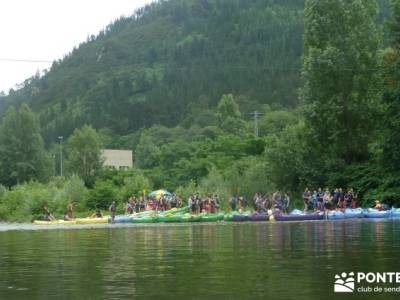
194	261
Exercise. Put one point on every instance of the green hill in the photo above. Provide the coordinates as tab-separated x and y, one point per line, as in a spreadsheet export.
170	58
169	61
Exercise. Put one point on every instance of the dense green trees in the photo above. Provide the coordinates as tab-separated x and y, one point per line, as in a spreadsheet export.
22	153
340	75
391	97
228	115
84	154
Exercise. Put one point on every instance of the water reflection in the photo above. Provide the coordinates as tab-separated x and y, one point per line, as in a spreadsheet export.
194	261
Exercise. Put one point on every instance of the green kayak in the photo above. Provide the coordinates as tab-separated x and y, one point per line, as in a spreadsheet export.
212	217
174	211
144	219
170	218
229	217
191	218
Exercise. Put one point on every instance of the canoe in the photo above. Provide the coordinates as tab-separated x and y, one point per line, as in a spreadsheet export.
351	213
170	219
123	219
178	210
144	219
173	211
335	215
55	222
240	218
377	214
101	220
211	217
300	217
187	218
196	218
228	217
252	218
190	218
395	214
258	217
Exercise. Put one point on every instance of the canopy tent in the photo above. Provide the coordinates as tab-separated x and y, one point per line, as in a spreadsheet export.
158	193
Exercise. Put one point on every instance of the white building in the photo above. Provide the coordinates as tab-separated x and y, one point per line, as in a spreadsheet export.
118	159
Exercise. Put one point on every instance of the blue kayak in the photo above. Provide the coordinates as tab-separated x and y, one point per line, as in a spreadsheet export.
377	214
395	213
351	213
240	218
335	215
123	219
258	217
300	217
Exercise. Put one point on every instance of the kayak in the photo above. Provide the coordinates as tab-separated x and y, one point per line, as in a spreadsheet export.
178	210
190	218
173	211
258	217
187	218
395	214
377	214
101	220
229	217
170	218
240	218
300	217
212	217
123	219
350	213
335	215
55	222
144	219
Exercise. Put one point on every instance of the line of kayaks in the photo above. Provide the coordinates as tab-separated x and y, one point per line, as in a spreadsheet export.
181	215
364	213
348	213
103	220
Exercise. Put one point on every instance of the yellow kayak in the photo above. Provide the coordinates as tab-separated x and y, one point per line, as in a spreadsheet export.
101	220
55	222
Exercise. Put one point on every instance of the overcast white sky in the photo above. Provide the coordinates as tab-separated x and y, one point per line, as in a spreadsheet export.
48	29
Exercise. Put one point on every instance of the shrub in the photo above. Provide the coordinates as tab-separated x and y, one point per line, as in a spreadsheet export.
102	194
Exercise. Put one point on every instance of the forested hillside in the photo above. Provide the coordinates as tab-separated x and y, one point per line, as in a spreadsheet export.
169	61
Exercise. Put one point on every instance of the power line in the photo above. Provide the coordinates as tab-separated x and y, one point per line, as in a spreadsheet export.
25	60
229	66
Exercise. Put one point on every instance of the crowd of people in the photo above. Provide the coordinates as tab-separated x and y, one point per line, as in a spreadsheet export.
209	203
163	203
262	203
316	200
337	199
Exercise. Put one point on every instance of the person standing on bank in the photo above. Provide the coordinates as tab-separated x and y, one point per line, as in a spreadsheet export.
113	210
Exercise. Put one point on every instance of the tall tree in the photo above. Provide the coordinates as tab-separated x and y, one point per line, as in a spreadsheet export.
84	153
391	95
22	153
228	114
146	152
340	76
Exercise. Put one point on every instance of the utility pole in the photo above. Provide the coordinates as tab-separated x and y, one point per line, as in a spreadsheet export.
255	115
61	157
54	165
